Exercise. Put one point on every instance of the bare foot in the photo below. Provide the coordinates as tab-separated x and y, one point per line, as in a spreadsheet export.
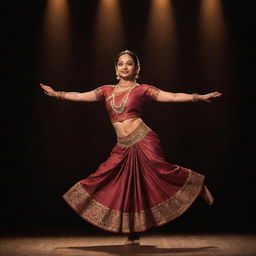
133	239
206	195
134	242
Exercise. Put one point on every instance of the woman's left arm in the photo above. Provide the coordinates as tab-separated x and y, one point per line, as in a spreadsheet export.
184	97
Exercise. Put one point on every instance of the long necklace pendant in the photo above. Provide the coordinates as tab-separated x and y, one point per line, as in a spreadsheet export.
120	108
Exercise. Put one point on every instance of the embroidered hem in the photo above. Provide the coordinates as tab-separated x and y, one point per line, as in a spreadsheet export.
124	222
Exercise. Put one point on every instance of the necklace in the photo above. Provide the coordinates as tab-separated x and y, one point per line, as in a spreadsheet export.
120	108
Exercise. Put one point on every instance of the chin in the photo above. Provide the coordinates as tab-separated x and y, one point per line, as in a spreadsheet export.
128	77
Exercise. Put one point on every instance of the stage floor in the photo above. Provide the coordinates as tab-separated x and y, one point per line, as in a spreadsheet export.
159	244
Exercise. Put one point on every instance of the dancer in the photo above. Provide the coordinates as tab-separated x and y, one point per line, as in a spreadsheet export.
135	188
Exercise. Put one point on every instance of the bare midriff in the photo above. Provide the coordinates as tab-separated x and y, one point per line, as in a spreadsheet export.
126	127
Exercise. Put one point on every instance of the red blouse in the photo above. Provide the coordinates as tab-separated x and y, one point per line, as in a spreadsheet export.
134	104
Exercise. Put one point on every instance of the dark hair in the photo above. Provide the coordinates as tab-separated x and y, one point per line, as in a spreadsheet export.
132	54
134	57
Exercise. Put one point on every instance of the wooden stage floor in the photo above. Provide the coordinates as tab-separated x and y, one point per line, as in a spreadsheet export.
151	244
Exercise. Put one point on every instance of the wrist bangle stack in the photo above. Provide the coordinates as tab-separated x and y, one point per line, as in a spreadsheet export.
195	97
61	95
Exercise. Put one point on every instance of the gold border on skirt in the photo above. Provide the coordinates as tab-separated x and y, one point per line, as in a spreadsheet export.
124	222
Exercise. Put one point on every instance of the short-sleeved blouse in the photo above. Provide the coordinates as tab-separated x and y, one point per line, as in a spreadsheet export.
134	104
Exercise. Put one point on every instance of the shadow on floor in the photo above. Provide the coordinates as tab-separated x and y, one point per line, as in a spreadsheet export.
137	249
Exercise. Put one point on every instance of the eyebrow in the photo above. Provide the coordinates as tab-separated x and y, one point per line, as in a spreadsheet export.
126	61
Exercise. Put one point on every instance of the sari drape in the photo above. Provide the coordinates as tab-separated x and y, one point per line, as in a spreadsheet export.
135	188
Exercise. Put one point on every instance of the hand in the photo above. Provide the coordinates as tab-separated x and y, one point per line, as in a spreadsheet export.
48	90
207	97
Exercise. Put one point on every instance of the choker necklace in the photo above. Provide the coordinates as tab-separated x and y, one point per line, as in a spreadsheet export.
120	108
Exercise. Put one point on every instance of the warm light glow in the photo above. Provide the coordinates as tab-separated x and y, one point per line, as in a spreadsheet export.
57	20
108	33
160	28
55	39
213	41
211	20
161	38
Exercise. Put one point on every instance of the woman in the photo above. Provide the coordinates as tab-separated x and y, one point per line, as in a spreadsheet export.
135	188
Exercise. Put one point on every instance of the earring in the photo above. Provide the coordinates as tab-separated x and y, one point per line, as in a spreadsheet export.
117	76
137	73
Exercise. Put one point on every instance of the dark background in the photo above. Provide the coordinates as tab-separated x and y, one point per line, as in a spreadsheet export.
48	145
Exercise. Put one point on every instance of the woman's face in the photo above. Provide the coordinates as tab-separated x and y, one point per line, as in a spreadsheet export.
126	67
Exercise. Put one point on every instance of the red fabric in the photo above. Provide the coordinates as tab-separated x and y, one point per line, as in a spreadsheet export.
134	104
135	188
135	178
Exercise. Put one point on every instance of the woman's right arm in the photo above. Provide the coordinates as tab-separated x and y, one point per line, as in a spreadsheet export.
73	96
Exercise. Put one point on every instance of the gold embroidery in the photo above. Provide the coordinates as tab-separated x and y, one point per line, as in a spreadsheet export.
138	135
120	108
116	221
153	92
98	93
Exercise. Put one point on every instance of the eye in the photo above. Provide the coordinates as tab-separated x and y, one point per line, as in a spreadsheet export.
119	64
130	63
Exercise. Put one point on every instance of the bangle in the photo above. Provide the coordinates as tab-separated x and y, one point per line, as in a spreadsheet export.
195	97
60	95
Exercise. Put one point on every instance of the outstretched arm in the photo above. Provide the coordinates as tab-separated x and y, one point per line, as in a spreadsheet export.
184	97
74	96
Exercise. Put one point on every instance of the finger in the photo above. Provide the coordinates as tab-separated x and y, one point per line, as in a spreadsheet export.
44	86
47	88
216	94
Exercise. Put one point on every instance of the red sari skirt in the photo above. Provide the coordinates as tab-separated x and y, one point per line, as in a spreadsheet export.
135	188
